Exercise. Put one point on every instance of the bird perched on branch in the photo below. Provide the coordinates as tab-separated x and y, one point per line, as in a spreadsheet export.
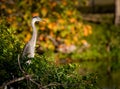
29	49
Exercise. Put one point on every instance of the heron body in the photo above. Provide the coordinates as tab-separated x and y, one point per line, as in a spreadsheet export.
29	49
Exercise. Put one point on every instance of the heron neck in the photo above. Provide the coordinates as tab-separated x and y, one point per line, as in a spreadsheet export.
34	34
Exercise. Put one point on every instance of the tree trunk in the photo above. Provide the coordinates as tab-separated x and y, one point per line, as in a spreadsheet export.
117	12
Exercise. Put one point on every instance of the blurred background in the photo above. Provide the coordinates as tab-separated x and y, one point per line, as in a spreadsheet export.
81	32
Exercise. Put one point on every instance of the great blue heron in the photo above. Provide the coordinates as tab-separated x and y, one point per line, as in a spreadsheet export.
29	49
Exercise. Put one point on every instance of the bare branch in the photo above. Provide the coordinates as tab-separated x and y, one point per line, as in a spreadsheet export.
20	65
53	84
29	77
15	80
35	82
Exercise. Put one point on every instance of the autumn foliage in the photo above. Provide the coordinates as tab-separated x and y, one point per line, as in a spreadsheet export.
63	21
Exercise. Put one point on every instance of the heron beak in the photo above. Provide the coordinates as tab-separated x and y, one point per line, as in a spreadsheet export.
43	20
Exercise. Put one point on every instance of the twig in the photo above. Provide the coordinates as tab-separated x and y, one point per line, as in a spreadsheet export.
15	80
45	87
20	65
39	85
53	84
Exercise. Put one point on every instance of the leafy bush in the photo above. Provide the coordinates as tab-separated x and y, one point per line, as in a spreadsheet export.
50	76
9	49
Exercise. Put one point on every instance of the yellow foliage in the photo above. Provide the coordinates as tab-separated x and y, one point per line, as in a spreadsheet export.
62	27
9	19
43	24
56	14
9	11
51	34
42	28
44	11
3	6
87	30
61	21
47	20
69	12
53	4
76	2
26	16
51	46
75	38
72	20
46	45
27	37
58	38
52	26
41	38
64	3
35	14
67	42
73	30
83	41
14	25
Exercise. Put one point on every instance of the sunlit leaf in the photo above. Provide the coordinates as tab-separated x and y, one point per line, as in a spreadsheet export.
75	38
89	29
52	26
47	20
44	11
72	20
9	11
83	41
58	38
9	19
51	34
73	30
67	42
3	6
51	46
41	38
42	28
56	14
69	12
53	4
35	14
64	2
27	37
76	2
85	31
61	21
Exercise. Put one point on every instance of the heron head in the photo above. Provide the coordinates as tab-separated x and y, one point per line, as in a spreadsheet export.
36	19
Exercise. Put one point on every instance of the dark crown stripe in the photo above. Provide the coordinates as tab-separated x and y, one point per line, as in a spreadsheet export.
35	16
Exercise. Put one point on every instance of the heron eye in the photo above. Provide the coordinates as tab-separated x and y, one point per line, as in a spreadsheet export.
37	22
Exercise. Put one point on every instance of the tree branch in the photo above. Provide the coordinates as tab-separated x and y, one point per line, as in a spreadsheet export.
19	64
53	84
15	80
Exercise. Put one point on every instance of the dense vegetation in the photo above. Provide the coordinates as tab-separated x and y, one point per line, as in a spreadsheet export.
52	68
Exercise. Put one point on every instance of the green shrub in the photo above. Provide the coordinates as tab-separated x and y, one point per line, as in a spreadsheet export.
9	49
64	76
